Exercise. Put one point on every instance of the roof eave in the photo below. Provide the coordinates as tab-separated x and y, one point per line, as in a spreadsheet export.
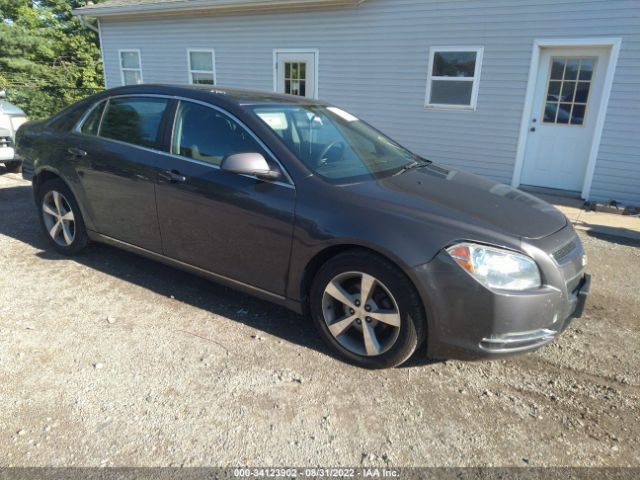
228	6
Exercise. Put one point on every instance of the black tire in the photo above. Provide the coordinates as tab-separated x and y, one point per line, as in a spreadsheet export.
412	330
80	238
13	166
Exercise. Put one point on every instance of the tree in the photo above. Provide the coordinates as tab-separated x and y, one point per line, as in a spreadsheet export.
48	58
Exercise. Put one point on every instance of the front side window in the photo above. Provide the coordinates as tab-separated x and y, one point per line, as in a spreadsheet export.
202	66
454	77
130	67
134	120
333	143
205	134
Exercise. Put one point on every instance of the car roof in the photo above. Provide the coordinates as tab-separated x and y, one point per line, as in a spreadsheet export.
238	96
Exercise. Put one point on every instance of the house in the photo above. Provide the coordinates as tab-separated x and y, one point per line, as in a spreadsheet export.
541	93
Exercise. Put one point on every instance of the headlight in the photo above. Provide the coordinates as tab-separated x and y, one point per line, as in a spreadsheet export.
497	268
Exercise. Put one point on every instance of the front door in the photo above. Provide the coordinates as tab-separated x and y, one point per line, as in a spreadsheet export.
296	73
232	225
565	108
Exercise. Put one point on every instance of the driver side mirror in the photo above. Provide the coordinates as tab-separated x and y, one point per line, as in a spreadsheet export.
253	164
3	94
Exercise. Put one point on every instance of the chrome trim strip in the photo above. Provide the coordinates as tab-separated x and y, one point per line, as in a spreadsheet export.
521	337
78	127
159	256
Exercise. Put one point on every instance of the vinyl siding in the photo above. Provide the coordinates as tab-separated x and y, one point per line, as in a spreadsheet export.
373	62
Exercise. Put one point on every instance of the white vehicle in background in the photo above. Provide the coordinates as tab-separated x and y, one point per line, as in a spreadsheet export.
11	117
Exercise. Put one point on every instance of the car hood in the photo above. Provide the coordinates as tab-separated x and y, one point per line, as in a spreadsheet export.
467	199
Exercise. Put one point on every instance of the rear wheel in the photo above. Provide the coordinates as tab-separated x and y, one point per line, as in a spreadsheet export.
13	166
367	310
60	217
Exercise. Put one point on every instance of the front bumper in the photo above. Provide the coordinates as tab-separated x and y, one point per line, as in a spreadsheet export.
467	320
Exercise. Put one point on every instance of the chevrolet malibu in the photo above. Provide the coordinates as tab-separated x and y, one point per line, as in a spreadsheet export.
303	204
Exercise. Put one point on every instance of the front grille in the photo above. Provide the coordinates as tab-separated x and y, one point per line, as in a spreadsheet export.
565	251
6	142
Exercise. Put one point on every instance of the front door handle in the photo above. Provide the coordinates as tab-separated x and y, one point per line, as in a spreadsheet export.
172	176
76	152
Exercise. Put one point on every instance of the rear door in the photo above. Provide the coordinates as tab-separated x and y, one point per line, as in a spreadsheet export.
121	141
236	226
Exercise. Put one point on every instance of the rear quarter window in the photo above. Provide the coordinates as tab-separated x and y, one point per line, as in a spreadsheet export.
66	120
92	122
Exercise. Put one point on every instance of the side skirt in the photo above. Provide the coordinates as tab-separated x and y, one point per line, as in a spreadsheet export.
229	282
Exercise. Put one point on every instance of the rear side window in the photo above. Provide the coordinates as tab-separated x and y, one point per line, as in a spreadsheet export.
134	120
205	134
92	122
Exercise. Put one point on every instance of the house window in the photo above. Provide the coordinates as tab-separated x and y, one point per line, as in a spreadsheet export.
202	67
130	67
454	76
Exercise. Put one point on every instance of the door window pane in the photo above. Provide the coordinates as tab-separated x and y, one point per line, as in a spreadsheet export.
92	122
568	89
451	93
134	120
557	70
586	69
571	69
454	64
205	134
577	115
566	97
564	113
582	93
554	91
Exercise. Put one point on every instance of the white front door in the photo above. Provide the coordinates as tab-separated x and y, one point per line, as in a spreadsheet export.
296	73
565	106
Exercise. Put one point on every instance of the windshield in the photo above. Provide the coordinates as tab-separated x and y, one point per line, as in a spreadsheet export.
333	143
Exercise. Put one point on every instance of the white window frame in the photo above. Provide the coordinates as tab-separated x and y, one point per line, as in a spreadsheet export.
213	63
123	69
475	79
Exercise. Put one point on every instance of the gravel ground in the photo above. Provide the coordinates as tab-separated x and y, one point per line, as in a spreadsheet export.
109	359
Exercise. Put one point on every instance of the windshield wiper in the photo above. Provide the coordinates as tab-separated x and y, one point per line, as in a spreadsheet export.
415	164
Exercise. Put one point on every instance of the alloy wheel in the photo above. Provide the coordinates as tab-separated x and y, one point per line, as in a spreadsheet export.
361	313
58	218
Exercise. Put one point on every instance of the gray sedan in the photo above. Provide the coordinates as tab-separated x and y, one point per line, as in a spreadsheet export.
306	205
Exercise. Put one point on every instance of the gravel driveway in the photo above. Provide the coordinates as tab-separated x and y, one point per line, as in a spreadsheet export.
112	359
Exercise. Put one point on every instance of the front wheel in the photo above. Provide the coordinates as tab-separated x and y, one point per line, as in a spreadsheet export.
61	218
367	310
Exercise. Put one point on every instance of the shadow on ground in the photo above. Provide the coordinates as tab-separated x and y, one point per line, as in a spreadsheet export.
18	219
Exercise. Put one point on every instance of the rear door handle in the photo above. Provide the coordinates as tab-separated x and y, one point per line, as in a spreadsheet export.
172	176
76	152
